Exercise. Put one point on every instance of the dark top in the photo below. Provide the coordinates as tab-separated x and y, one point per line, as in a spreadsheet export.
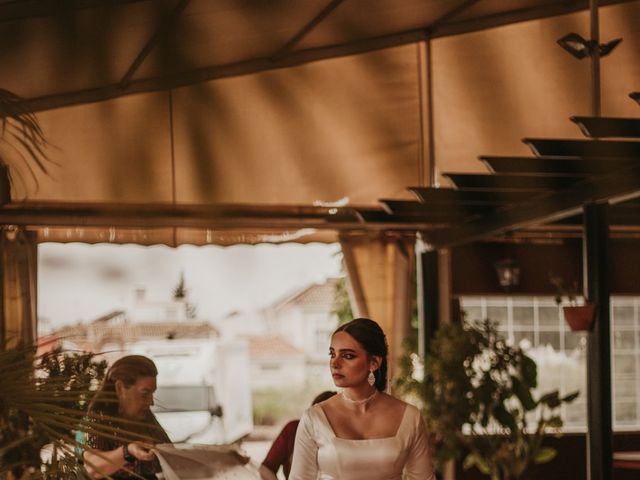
149	429
281	450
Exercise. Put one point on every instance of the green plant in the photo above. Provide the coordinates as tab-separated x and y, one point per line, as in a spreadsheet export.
341	303
565	290
478	399
43	400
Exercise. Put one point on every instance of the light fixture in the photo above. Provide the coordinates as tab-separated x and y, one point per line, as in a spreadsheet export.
508	272
11	232
581	48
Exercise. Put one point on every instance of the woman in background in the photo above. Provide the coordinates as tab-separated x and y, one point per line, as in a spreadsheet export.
124	429
281	451
362	433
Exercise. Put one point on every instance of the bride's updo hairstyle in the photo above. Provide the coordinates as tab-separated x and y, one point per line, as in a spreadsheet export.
369	334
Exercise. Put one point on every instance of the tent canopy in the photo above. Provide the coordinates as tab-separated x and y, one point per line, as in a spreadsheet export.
247	121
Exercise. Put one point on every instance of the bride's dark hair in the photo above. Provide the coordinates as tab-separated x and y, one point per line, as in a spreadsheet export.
370	335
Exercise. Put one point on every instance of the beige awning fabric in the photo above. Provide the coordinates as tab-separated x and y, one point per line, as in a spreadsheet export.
380	272
174	237
321	132
288	104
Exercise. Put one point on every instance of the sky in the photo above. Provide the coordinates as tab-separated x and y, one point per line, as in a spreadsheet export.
79	282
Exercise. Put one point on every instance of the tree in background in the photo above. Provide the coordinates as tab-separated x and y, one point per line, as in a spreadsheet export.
180	293
342	303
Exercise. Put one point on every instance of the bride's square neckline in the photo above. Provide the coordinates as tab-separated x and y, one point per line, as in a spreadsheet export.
325	419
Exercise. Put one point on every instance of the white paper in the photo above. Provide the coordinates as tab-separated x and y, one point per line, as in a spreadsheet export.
206	462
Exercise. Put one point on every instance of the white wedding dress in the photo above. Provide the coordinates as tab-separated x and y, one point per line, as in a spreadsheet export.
320	455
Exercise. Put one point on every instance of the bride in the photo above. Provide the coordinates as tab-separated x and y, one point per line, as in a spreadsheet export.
363	433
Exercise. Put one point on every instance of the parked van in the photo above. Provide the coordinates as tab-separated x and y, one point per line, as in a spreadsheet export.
204	390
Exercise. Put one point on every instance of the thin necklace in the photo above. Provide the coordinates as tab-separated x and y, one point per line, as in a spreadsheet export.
358	402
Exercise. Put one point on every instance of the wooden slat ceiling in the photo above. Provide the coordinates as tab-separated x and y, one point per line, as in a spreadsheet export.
523	192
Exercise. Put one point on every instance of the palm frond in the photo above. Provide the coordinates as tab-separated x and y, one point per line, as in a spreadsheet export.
22	132
44	401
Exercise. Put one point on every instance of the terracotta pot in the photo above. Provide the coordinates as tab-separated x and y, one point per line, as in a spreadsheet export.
580	317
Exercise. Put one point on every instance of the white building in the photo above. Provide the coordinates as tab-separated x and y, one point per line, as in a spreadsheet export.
306	320
276	363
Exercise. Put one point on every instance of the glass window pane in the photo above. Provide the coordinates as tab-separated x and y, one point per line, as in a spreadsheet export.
623	316
625	412
497	314
548	317
550	338
566	369
523	317
624	386
575	414
575	340
473	313
623	340
624	364
518	337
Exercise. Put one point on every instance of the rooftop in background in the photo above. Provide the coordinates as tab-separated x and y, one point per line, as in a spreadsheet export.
318	294
275	347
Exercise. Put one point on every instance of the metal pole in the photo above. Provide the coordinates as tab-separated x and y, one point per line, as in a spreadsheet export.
596	286
428	297
595	59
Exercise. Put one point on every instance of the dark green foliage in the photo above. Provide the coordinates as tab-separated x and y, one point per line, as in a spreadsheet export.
341	303
478	399
180	291
564	290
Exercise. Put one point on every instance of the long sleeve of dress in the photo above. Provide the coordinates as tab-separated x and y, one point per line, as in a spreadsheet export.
419	465
305	452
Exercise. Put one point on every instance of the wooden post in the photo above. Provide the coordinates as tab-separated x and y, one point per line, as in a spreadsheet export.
595	253
428	297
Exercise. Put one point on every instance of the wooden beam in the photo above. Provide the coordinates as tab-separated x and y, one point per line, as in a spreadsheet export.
570	166
223	216
25	9
162	31
515	182
615	187
381	218
550	9
608	127
304	31
450	196
583	148
425	212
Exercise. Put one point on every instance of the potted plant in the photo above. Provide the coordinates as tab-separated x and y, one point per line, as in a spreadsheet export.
578	316
478	401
